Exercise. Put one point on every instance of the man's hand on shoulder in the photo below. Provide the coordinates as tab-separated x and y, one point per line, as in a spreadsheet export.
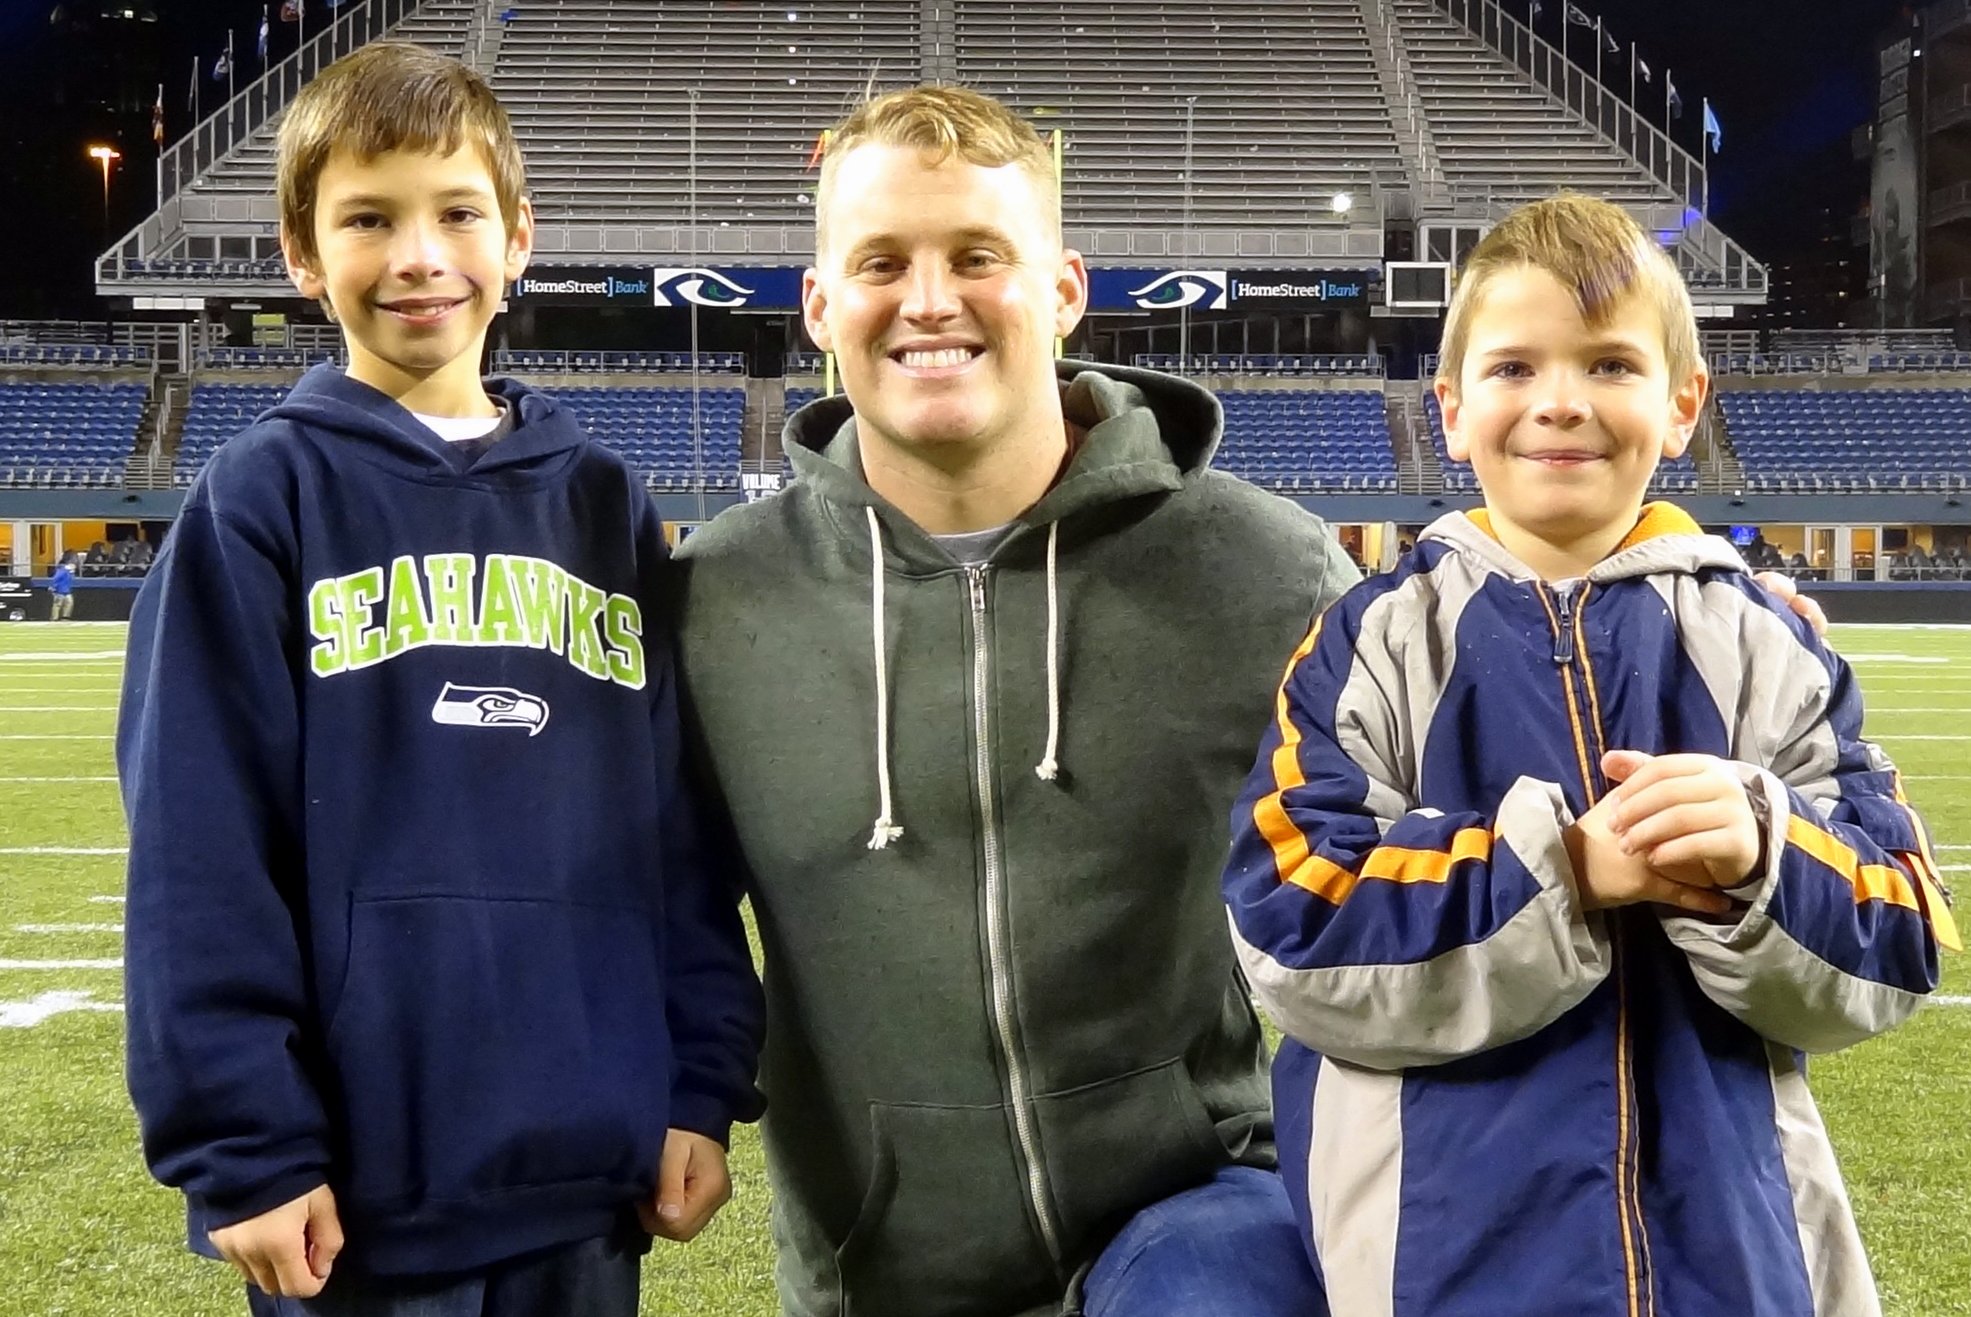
692	1185
1785	588
287	1250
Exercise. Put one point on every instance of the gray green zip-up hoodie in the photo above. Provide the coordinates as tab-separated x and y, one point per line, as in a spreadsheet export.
983	812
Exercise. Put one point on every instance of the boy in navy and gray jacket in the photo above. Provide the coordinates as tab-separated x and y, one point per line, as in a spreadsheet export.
428	975
1564	849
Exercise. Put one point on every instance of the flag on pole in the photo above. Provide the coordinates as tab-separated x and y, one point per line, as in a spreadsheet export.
157	117
221	66
1643	64
1608	43
1676	101
1711	128
1535	8
191	93
1578	16
261	46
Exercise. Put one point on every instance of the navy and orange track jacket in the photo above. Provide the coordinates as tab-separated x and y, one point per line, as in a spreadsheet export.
1492	1100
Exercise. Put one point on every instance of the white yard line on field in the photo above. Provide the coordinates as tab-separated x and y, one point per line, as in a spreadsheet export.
1913	736
68	928
105	900
112	779
57	736
1950	1001
27	1014
64	850
75	655
111	708
1895	658
115	963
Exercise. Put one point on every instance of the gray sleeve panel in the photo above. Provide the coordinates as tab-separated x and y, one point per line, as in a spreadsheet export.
1537	966
1756	971
1771	692
1402	665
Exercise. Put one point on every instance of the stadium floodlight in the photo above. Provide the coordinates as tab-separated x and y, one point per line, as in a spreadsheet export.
1343	202
105	156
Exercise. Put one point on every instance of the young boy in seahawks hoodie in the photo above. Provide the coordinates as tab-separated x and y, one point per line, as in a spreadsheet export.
432	998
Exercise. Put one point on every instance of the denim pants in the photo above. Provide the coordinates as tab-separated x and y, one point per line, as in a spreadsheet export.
1229	1248
595	1278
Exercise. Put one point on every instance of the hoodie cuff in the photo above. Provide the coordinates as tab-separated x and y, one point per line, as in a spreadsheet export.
702	1114
206	1213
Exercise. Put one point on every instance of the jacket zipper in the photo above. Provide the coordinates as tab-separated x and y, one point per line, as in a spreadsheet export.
997	934
1565	612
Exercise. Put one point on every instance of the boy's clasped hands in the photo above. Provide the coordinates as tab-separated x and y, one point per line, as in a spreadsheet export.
1676	830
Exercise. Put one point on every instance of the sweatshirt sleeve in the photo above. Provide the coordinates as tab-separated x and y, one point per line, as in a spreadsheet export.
1379	932
1841	934
714	1006
208	753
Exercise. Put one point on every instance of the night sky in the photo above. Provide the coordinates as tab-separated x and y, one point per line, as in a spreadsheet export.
1788	80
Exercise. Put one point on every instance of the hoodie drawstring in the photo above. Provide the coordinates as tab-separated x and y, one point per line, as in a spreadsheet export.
1049	768
885	831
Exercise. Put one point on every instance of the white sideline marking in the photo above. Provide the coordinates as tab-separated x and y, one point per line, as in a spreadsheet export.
64	850
1912	736
1950	1001
1874	709
1895	658
106	900
27	1014
110	778
68	928
1952	848
85	655
1938	777
62	964
111	708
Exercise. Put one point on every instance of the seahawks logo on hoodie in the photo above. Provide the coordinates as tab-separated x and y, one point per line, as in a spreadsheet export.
372	616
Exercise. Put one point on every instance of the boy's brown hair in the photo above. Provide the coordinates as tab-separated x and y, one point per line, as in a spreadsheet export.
944	121
1592	247
390	96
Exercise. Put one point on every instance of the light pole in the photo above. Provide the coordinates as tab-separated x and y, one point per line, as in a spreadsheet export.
106	156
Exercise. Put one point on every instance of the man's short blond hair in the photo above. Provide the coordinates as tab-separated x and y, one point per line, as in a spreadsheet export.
944	121
390	96
1593	248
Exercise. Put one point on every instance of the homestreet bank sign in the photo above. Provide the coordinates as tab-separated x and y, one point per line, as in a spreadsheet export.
1219	290
762	288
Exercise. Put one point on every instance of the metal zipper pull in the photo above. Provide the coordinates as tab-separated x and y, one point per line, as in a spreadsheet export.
1564	633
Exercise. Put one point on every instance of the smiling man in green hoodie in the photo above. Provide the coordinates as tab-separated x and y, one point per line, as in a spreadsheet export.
978	691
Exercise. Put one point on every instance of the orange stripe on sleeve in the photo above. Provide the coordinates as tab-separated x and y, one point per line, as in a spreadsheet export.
1878	882
1269	813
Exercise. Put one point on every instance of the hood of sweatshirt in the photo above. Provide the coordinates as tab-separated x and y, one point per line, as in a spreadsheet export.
1142	433
543	439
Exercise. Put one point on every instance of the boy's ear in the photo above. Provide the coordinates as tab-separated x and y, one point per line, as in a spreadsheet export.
520	242
1686	407
303	272
1447	402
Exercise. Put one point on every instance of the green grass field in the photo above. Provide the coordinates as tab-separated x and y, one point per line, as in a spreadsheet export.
84	1231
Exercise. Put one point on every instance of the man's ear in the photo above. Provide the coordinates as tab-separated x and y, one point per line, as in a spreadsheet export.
1455	446
814	309
1071	292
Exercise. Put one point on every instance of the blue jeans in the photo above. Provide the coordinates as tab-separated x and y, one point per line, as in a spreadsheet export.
1229	1248
595	1278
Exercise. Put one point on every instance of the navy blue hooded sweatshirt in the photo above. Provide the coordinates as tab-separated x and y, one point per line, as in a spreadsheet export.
418	907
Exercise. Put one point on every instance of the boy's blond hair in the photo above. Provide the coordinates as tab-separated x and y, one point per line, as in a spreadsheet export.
1592	247
390	96
944	121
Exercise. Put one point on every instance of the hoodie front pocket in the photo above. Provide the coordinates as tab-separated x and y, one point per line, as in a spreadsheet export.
943	1227
1116	1146
483	1045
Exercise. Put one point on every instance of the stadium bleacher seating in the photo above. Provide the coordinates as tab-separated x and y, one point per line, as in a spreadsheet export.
1802	440
650	427
67	434
1299	440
